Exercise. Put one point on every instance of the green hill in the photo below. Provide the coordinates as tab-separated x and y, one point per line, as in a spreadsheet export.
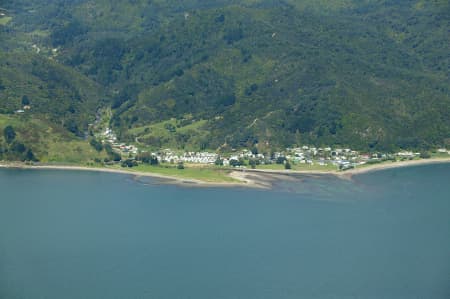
38	140
373	75
52	91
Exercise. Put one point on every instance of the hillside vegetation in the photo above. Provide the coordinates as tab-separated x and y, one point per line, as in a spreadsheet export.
221	74
40	141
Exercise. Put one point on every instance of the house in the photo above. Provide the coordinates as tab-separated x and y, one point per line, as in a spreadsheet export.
405	154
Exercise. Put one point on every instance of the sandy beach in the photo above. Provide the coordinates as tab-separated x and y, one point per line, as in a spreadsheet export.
388	165
255	178
358	170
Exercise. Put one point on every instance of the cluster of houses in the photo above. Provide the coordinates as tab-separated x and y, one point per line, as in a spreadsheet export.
108	136
340	157
303	155
169	156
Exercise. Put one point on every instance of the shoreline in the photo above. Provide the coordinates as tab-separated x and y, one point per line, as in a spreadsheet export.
390	165
242	181
252	178
351	172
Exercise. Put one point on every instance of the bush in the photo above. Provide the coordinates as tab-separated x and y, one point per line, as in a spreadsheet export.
425	155
29	156
280	160
129	163
147	158
219	162
9	134
235	163
287	165
18	147
116	157
25	100
97	145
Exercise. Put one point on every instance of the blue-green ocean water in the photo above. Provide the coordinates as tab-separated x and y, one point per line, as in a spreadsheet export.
95	235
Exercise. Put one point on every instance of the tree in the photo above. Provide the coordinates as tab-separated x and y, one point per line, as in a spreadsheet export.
219	162
254	150
425	155
72	126
147	158
154	160
280	160
129	163
108	148
10	134
287	165
144	157
29	156
96	144
235	163
116	157
25	100
18	147
180	165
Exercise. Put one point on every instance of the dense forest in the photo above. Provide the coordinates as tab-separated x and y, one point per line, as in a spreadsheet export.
221	74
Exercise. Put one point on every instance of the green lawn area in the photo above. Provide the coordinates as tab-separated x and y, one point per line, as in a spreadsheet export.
270	166
440	155
315	167
5	20
298	167
71	152
206	174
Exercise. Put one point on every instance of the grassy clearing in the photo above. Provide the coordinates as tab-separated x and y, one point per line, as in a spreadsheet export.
315	167
70	152
440	155
5	20
299	167
161	130
171	134
205	174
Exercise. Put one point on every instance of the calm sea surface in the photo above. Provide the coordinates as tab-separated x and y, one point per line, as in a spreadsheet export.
95	235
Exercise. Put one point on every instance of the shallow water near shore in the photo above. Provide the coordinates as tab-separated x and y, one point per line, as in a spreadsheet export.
72	234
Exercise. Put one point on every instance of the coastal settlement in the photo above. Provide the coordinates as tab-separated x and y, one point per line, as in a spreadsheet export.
327	157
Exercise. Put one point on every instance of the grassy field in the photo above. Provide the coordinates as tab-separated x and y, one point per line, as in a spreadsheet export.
171	134
440	155
205	174
5	20
299	167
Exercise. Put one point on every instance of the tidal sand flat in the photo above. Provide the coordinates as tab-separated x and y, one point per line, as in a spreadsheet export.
72	234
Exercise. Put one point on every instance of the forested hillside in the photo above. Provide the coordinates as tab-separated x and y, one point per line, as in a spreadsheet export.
373	74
